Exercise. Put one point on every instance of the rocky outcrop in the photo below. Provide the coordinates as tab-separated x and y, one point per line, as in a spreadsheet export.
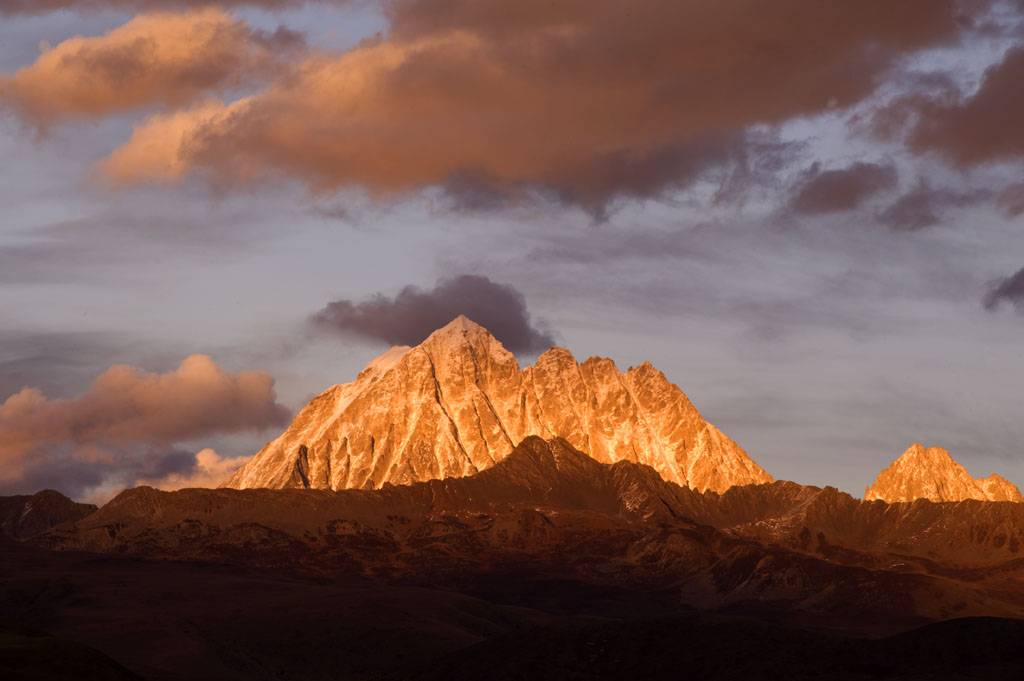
933	474
458	403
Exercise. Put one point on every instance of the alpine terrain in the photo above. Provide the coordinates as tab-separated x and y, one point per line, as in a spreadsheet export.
933	474
458	403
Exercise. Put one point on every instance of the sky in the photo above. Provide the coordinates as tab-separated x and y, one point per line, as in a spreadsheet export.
808	215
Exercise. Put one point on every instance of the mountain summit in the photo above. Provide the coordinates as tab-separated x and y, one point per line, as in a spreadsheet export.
933	474
458	403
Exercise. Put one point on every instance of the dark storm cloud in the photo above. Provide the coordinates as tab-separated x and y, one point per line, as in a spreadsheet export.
414	314
1007	290
984	127
588	101
925	206
843	189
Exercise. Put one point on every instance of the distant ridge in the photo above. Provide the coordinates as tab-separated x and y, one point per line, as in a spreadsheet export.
458	403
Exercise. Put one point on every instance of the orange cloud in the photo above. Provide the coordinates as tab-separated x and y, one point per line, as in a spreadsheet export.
129	405
44	6
161	58
586	100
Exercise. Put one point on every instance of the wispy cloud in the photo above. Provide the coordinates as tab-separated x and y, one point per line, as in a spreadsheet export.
1007	290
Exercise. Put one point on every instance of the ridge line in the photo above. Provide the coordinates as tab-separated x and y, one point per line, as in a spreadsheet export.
439	397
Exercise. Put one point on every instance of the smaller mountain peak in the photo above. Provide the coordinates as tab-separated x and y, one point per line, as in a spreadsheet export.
557	356
998	488
932	473
597	361
919	452
645	368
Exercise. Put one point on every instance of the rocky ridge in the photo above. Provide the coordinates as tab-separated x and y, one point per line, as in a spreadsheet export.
25	515
550	512
458	403
932	474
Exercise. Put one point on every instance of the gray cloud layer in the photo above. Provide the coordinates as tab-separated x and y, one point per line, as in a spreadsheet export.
926	206
1011	200
413	314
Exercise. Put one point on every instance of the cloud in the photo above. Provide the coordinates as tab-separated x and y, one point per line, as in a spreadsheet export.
1011	200
925	206
985	126
45	6
127	407
585	102
209	470
61	362
1007	290
162	58
414	314
843	189
96	475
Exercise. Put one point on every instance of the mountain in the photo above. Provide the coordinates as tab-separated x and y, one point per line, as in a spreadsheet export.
25	516
458	403
549	512
933	474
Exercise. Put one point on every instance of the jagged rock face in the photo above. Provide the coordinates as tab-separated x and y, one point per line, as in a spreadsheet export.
459	403
933	474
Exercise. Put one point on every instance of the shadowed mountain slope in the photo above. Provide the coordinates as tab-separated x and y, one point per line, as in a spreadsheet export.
26	515
548	511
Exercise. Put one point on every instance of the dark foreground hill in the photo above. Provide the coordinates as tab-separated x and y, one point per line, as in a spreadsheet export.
26	515
568	563
550	512
177	621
